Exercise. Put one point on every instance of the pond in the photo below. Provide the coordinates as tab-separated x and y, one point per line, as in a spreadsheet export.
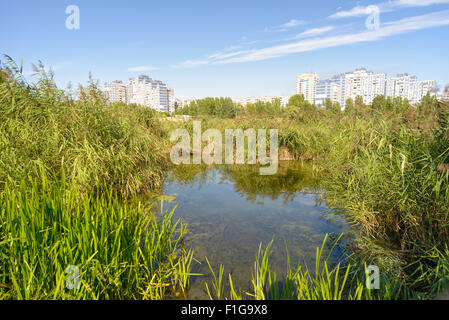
231	209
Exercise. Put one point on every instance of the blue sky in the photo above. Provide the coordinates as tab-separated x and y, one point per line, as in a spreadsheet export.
227	48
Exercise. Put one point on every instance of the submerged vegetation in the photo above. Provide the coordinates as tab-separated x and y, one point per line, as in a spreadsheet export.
72	165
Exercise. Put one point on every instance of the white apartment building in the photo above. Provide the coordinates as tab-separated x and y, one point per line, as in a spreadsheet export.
426	86
408	87
141	90
443	96
368	85
171	99
333	88
159	97
365	84
306	85
116	91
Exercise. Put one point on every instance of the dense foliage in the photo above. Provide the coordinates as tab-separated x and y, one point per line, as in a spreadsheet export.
43	129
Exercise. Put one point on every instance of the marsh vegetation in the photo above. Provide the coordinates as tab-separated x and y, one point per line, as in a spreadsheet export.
77	177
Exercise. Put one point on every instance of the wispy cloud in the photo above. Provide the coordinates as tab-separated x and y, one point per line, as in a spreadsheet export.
418	3
286	26
211	59
314	32
142	68
386	7
354	12
436	19
229	52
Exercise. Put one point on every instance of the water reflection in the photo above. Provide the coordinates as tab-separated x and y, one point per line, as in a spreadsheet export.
231	209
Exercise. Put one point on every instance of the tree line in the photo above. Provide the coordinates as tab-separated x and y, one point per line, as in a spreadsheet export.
226	108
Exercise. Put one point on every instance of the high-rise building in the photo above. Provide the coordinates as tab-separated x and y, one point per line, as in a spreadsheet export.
306	85
443	96
115	91
365	84
159	97
171	99
408	87
333	88
141	90
368	85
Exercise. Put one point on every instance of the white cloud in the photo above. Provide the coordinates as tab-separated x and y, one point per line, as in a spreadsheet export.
418	3
386	7
395	28
142	68
293	23
191	63
315	31
354	12
215	57
436	19
286	26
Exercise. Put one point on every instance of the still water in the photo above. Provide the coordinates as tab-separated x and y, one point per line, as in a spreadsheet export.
231	209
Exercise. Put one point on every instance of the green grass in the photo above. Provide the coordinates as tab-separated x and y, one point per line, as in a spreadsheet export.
339	282
123	249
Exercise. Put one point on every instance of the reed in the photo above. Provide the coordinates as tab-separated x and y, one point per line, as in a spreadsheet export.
324	282
123	249
47	130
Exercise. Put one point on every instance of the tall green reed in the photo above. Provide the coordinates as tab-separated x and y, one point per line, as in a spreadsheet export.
123	249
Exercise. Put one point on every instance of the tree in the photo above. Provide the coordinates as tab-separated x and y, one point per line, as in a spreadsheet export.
331	106
296	100
336	107
359	102
382	103
349	106
328	103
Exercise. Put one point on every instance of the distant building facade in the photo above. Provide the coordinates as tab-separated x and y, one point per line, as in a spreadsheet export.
140	90
306	85
333	88
283	99
368	85
171	99
116	91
